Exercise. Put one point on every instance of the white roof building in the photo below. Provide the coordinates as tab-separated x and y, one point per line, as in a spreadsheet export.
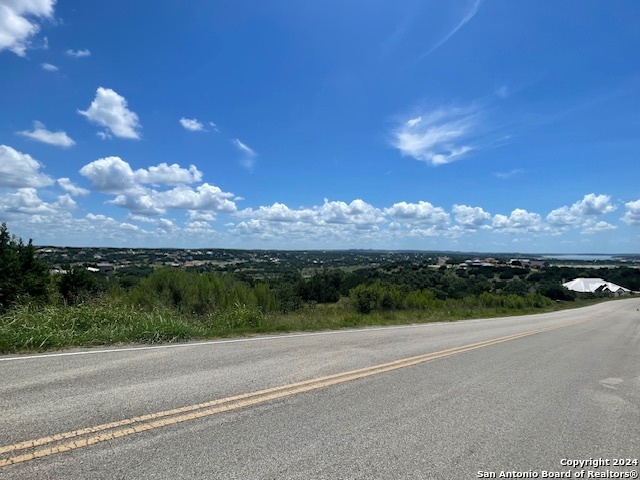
595	285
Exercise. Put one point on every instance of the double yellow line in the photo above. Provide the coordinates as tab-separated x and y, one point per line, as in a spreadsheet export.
67	441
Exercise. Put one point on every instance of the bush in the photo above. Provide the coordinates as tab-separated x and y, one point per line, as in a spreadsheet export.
79	285
198	294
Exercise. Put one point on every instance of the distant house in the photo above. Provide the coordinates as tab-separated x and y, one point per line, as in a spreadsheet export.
105	268
537	264
476	262
595	285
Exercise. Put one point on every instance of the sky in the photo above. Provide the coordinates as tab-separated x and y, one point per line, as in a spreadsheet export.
466	125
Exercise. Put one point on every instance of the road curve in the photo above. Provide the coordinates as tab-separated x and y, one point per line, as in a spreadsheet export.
450	400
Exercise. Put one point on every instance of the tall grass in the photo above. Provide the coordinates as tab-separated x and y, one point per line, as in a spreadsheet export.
173	306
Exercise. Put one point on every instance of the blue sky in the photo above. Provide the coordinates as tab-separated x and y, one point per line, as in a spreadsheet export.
484	125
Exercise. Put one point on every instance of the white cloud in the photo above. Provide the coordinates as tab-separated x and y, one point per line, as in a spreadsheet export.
25	201
632	215
418	213
198	215
166	225
593	204
414	121
19	21
168	174
279	212
20	170
109	175
78	53
470	217
577	214
358	213
41	134
66	202
509	174
592	227
129	227
198	227
469	14
72	189
114	175
204	197
243	148
520	221
141	204
248	160
49	67
110	110
437	138
192	124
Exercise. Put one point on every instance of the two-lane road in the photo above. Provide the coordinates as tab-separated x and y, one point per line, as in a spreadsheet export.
422	401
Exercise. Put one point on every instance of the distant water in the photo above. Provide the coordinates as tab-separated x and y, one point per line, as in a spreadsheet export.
577	256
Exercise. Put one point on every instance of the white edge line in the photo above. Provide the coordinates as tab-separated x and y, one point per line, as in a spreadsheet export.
270	337
218	342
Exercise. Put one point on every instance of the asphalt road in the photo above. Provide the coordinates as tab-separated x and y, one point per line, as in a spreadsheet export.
436	401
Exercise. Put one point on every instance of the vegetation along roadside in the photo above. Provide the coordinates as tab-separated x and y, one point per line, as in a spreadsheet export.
41	310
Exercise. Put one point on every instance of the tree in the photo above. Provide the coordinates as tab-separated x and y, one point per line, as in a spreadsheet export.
22	273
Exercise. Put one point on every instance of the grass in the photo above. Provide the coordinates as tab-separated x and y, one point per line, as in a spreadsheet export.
28	328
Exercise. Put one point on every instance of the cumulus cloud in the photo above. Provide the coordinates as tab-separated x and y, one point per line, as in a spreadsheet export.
198	227
109	227
357	213
591	205
632	215
168	174
25	201
41	134
20	21
520	221
114	175
198	215
418	213
152	202
203	197
192	124
142	204
72	189
166	225
592	227
49	67
109	175
437	137
20	170
110	110
279	212
248	160
78	53
470	217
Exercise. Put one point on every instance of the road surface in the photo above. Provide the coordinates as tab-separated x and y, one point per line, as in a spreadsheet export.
436	401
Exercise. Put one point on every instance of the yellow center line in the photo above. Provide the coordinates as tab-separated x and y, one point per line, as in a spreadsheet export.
178	415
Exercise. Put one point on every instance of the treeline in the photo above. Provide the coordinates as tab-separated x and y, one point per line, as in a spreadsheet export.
245	298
